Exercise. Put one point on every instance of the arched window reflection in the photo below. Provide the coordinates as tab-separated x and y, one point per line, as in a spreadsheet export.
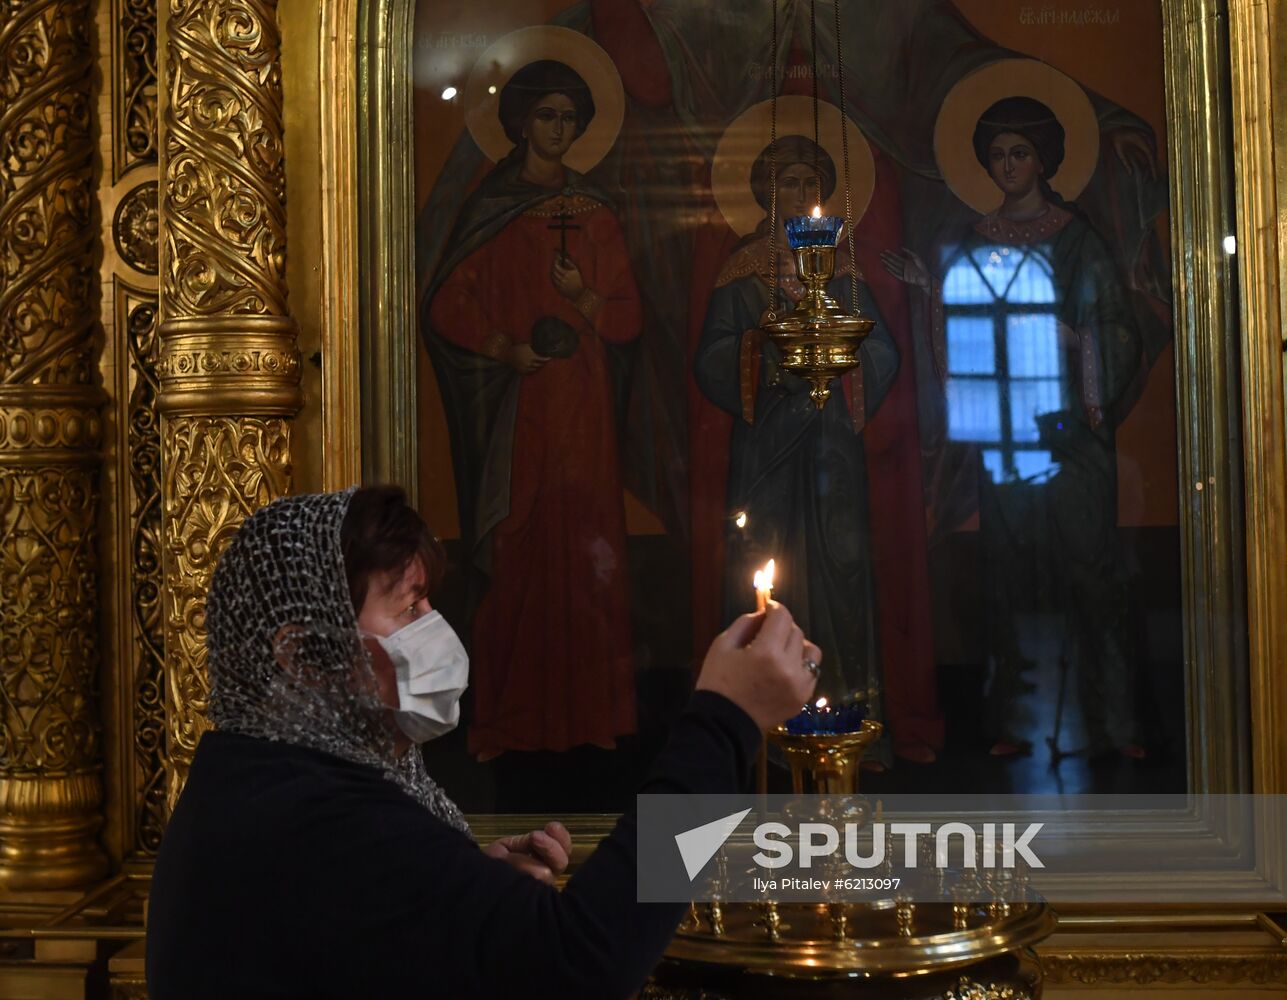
1005	368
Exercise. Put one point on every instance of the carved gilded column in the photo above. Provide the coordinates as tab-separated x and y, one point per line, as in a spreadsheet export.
51	788
228	365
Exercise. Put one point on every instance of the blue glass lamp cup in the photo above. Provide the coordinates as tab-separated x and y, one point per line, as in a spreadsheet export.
842	718
807	231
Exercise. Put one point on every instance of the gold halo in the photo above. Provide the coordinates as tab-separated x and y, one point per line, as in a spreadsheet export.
510	53
978	91
745	139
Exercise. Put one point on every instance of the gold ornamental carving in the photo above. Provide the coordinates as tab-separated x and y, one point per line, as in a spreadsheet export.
136	227
134	116
136	326
45	422
46	194
967	989
1144	968
228	365
224	202
136	236
217	471
50	429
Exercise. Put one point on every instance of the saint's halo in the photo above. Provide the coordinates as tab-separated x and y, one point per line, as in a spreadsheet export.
748	136
510	53
978	91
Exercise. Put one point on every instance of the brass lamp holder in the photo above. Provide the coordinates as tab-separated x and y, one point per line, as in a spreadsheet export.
825	763
970	937
819	341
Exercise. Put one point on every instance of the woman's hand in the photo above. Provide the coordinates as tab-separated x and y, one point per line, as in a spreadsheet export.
566	277
759	664
543	854
524	360
907	267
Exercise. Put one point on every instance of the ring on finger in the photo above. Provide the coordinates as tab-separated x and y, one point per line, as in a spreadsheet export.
811	665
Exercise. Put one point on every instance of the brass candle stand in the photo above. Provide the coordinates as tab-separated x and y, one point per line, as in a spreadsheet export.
951	936
825	763
819	341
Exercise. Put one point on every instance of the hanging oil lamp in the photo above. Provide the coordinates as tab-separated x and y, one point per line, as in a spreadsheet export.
819	341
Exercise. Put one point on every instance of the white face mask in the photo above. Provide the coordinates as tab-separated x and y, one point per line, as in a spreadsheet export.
432	671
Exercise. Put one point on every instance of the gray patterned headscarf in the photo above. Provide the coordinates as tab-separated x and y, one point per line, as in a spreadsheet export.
280	595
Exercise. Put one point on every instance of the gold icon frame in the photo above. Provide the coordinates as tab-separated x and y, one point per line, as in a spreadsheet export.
1224	77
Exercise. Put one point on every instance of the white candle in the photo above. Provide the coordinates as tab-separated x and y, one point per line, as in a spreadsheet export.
763	586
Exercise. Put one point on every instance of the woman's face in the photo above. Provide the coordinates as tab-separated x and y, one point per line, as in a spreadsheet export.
393	601
797	190
551	126
1013	164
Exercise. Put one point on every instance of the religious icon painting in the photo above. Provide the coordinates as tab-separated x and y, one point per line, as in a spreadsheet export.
531	308
980	527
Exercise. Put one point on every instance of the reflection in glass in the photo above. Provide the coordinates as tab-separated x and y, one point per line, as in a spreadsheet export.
1037	340
799	473
1005	367
968	485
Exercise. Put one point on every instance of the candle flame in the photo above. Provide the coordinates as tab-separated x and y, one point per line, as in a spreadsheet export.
740	520
817	211
763	587
820	703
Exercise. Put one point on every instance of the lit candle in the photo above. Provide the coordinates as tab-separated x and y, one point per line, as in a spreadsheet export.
763	586
817	212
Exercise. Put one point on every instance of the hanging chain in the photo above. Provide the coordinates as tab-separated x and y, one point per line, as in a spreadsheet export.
850	222
813	72
773	172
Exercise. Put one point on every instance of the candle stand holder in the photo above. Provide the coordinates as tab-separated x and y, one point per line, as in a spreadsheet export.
971	940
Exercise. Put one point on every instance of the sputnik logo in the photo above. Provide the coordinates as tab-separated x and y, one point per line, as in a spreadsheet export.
698	845
817	840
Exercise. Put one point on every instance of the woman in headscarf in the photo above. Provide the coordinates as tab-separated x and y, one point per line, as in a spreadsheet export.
310	855
1041	288
521	319
798	473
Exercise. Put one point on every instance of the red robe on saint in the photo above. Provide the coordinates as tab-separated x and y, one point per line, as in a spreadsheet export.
551	654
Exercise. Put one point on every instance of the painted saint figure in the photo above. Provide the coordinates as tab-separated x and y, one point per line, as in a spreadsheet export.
798	473
534	296
1038	345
